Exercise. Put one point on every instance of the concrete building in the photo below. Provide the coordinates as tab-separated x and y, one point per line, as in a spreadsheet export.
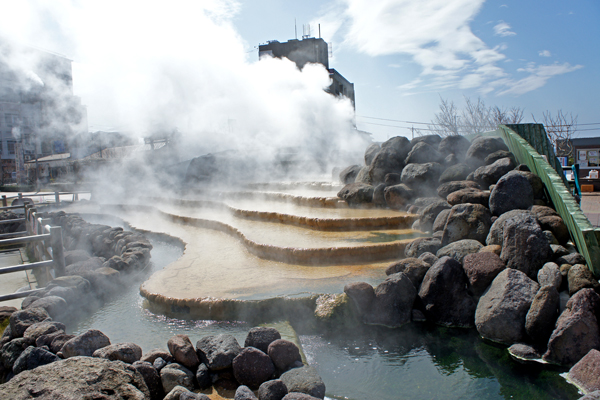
309	50
38	111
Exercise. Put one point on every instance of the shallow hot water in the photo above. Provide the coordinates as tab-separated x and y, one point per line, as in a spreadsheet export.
413	362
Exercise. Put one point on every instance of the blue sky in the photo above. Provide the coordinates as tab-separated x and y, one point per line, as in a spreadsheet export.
194	63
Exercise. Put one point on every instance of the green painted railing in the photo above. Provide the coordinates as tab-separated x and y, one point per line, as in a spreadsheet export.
581	229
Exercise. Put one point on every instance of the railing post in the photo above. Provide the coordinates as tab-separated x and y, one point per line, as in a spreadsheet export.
4	201
20	195
75	196
58	255
56	197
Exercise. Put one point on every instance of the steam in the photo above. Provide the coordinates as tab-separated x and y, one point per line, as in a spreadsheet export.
148	68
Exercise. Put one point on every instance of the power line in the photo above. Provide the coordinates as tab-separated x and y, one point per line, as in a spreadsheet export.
462	126
436	130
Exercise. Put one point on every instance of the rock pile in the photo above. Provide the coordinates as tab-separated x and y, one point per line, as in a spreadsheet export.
498	259
39	359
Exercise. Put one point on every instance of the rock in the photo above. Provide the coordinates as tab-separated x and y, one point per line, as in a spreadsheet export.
70	295
493	248
156	353
176	375
85	344
536	183
33	357
523	352
524	246
363	176
284	354
176	393
398	143
542	211
243	392
262	337
422	245
217	352
394	299
54	305
454	144
59	341
444	296
392	179
334	308
252	367
151	377
423	153
576	331
203	377
467	221
580	277
379	195
74	256
21	320
11	351
591	396
43	328
481	148
502	310
457	172
572	259
498	155
413	268
88	265
416	176
348	174
388	160
397	196
490	174
182	350
540	319
440	221
550	275
449	187
558	251
126	352
78	378
555	225
356	194
159	363
513	191
469	195
458	250
496	234
272	390
304	380
371	152
429	258
428	214
299	396
432	140
586	373
481	269
362	294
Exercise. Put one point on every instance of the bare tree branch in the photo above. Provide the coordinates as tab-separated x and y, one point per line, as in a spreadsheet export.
560	129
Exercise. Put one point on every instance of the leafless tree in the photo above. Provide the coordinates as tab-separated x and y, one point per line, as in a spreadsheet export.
447	121
560	129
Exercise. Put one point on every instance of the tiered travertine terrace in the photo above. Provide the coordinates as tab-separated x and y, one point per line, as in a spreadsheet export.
263	246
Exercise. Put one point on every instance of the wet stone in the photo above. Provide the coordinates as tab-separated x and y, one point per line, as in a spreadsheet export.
217	352
586	373
261	337
252	367
272	390
284	354
182	350
304	380
126	352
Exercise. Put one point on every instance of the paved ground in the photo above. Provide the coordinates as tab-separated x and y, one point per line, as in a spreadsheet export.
590	205
10	283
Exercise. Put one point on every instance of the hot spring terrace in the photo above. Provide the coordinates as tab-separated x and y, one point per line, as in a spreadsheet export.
262	246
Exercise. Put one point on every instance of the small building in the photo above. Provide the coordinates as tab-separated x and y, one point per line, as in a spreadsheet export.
586	153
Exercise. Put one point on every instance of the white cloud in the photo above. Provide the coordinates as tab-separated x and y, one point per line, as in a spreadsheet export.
545	53
538	76
503	29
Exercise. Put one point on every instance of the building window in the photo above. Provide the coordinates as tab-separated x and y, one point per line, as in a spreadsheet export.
11	146
588	157
11	120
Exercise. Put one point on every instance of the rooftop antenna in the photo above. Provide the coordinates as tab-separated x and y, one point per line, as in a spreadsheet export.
295	29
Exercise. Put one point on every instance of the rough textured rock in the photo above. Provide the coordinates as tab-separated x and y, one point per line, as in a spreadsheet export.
493	248
348	174
454	144
449	187
272	390
33	357
243	392
418	175
524	246
43	328
78	378
126	352
176	393
299	396
21	320
586	373
422	245
85	344
469	195
153	354
444	296
496	234
571	258
457	172
550	275
261	337
363	176
458	250
482	147
467	221
413	268
379	195
432	140
429	258
356	193
393	302
423	153
513	191
428	214
151	377
362	294
59	341
203	378
542	314
490	174
304	380
54	305
284	354
580	277
388	160
498	155
502	310
576	331
536	183
217	352
440	221
523	352
176	375
182	350
252	367
398	196
481	269
371	152
557	226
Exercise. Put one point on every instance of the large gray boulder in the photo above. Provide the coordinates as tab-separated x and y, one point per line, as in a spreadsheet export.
586	373
183	352
444	296
576	331
469	195
496	234
542	314
272	390
33	357
284	354
482	269
78	378
252	367
393	302
467	221
513	191
19	321
428	214
398	196
304	380
414	268
580	277
490	174
418	176
459	249
456	172
349	174
356	193
371	152
217	352
440	221
175	374
524	245
432	140
424	153
85	344
446	188
362	294
262	336
454	144
550	275
126	352
388	160
151	377
422	245
502	310
481	148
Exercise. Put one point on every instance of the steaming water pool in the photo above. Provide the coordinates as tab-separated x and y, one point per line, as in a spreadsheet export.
413	362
